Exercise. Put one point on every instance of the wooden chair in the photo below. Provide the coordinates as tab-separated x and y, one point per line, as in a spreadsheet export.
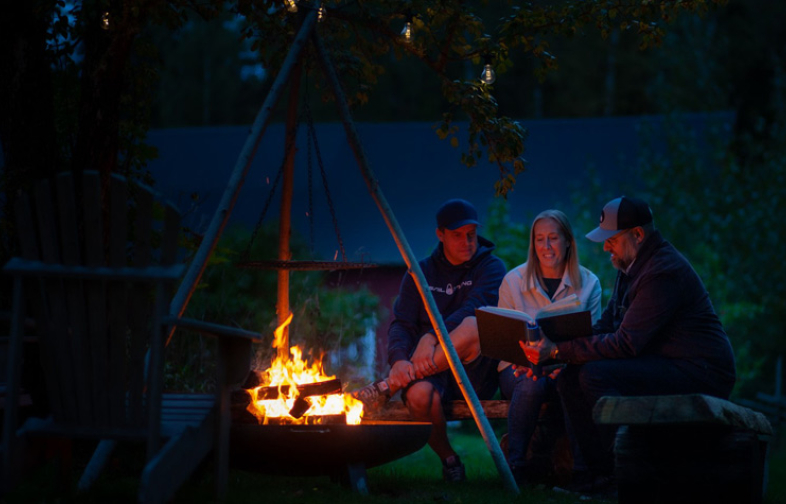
97	278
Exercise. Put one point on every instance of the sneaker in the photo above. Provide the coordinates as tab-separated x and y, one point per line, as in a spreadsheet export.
453	470
586	484
374	395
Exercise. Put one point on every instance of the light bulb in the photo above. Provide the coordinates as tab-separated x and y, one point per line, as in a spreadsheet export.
291	5
489	75
105	20
406	32
321	13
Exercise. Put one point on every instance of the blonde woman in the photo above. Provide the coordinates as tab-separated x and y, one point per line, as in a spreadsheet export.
552	272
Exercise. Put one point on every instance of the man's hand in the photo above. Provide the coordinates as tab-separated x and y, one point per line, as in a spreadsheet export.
401	374
423	357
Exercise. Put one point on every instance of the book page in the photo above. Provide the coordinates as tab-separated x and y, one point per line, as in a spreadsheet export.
508	313
566	305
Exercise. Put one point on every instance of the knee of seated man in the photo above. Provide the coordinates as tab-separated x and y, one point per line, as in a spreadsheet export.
420	396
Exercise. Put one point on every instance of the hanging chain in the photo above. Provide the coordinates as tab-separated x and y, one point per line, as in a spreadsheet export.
289	151
312	143
313	137
307	115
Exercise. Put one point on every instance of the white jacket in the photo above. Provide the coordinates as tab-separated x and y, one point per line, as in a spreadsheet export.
529	297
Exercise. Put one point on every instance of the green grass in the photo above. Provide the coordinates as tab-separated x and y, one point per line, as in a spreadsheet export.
413	479
776	487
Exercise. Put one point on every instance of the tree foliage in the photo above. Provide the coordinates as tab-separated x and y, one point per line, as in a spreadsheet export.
78	77
78	81
447	37
326	320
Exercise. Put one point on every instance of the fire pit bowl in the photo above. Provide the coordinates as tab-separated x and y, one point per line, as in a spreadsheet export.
338	450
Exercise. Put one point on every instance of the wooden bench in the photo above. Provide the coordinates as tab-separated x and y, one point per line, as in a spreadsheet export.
457	410
686	448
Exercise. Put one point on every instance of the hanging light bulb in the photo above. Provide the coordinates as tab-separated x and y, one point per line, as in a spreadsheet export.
489	75
407	31
291	5
105	21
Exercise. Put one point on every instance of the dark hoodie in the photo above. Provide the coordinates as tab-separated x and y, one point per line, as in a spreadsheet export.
457	291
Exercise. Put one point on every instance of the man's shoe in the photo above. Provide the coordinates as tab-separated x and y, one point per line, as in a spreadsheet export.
374	395
587	484
453	470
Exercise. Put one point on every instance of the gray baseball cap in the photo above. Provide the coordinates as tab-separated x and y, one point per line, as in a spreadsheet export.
620	214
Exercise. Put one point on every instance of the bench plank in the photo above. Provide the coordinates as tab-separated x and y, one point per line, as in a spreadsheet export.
456	410
678	409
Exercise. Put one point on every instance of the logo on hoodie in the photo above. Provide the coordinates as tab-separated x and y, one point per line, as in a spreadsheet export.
450	289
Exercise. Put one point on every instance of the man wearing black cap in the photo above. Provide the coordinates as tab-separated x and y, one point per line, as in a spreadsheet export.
462	274
659	334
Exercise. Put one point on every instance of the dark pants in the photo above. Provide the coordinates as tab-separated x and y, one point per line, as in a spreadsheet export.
580	387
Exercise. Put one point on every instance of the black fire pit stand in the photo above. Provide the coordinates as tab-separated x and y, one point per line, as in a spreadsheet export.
340	451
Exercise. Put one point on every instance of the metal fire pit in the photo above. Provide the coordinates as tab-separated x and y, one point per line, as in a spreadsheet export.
340	451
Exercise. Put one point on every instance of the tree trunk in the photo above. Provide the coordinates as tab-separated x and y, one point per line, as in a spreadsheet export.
107	52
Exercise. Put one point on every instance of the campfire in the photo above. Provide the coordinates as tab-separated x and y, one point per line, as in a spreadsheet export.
291	391
295	411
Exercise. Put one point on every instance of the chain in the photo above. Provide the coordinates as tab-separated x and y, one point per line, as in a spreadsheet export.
313	137
309	136
312	142
287	152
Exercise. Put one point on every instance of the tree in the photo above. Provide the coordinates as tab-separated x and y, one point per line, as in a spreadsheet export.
77	78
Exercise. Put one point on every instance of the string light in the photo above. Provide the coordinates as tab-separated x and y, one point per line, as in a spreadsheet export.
105	20
291	5
407	31
321	13
488	76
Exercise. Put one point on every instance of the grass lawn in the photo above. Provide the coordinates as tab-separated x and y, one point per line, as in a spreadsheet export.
413	479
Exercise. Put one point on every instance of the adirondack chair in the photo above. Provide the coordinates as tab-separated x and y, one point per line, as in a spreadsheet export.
93	278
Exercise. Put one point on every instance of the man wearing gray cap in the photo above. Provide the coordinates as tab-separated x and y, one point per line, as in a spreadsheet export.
462	274
659	334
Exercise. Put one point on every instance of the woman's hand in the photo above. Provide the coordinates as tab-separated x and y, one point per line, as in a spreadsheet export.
538	351
551	371
526	371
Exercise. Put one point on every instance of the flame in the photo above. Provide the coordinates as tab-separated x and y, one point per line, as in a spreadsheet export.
292	372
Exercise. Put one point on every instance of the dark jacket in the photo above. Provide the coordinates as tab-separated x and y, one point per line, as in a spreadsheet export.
660	307
457	291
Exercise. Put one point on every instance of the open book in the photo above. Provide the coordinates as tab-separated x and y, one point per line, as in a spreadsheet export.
501	329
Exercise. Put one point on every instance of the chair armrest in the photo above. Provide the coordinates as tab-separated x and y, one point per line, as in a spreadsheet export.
211	329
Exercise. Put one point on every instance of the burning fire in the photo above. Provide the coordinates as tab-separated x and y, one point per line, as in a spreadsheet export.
286	375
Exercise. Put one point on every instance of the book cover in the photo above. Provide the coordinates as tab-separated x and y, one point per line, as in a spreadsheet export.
501	329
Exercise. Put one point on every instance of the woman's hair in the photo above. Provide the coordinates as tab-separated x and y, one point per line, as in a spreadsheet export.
571	253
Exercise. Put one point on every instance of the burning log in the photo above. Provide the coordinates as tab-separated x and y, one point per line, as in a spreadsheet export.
300	406
304	389
295	389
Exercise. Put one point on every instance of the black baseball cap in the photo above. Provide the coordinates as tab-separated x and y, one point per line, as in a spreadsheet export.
455	213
